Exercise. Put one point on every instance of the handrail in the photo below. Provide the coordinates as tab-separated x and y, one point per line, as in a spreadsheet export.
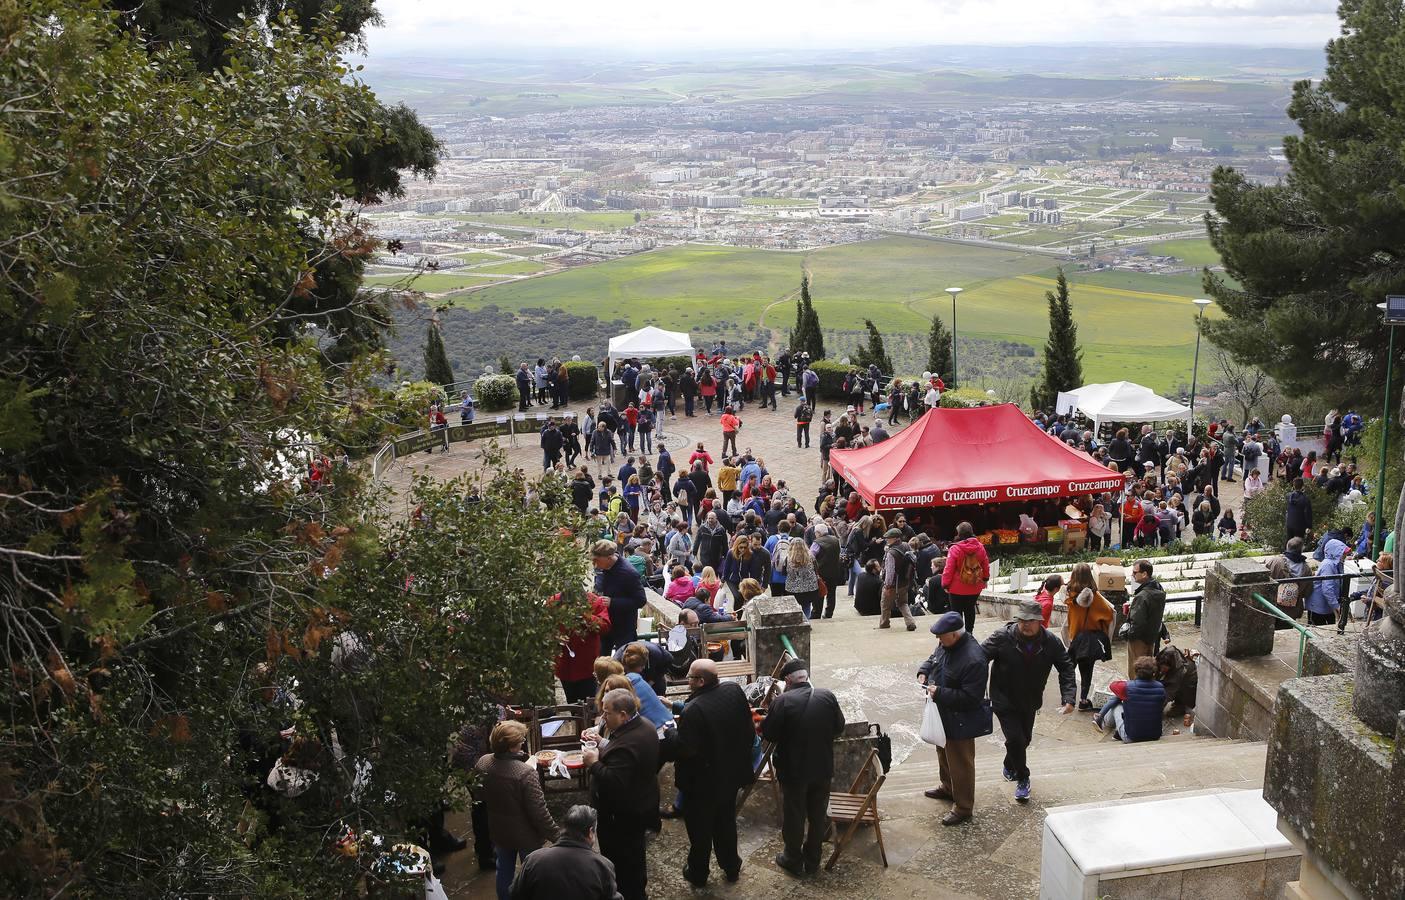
1303	633
789	647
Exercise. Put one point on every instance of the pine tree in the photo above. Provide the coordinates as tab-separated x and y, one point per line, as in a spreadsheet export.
939	348
505	366
874	353
1063	360
436	360
806	335
1307	260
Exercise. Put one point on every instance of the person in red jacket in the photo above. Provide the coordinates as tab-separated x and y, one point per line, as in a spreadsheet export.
966	573
575	665
1046	596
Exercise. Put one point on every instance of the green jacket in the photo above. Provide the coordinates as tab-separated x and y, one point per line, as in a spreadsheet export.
1148	606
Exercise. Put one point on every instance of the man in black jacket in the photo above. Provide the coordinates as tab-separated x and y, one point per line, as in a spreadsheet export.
552	443
826	550
710	544
624	789
570	867
1021	655
803	723
955	676
1144	614
617	579
715	737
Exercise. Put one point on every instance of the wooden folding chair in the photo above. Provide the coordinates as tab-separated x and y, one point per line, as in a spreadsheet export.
765	774
566	738
858	806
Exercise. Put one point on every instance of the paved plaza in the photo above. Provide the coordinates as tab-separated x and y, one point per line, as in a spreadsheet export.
995	855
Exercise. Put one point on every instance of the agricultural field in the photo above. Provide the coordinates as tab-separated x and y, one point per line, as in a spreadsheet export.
434	282
576	221
1192	252
519	267
1137	327
474	257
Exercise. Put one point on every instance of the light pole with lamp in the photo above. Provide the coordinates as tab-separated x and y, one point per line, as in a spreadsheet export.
1201	302
1394	311
953	291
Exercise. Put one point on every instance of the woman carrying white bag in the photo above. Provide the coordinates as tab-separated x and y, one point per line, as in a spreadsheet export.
957	712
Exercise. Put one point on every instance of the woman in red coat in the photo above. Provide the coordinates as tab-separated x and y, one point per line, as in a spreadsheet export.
579	648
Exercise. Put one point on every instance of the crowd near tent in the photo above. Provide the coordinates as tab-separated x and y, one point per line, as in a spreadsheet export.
1122	401
988	454
649	342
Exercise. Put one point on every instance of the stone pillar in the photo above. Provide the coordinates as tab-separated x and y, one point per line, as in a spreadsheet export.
1379	693
1234	625
768	618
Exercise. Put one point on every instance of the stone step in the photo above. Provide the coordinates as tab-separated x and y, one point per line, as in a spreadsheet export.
1109	756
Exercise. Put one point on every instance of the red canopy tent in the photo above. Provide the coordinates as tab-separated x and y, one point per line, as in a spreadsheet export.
989	454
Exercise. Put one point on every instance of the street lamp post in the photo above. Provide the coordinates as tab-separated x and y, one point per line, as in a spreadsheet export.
1378	532
953	291
1201	302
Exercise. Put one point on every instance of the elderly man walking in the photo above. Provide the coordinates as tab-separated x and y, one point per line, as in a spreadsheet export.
1021	655
899	563
570	867
954	676
803	723
624	789
715	737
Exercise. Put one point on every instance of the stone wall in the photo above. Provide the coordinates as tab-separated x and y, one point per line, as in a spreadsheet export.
1339	788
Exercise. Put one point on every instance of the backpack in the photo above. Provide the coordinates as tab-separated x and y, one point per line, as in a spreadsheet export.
968	570
903	563
1288	591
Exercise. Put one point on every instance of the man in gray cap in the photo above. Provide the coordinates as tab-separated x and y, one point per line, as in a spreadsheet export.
954	676
803	723
899	563
1021	654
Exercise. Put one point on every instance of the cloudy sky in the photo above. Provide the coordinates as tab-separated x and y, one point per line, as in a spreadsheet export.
640	27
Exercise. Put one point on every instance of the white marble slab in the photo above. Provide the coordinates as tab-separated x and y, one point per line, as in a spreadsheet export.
1141	836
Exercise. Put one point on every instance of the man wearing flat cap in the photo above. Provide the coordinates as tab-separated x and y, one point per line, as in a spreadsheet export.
954	676
803	723
1021	654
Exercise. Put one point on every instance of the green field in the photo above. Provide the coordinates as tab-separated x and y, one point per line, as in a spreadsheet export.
529	251
577	221
1135	327
1193	252
474	257
434	282
520	267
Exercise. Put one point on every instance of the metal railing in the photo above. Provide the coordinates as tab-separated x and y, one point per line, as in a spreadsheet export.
1303	633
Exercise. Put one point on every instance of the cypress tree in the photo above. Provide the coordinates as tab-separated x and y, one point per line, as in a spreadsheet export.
436	360
813	336
939	348
874	353
1063	360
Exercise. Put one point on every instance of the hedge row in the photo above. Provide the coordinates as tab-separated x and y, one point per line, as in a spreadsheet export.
495	392
585	383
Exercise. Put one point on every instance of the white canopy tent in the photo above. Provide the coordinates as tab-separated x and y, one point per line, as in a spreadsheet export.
1123	401
649	342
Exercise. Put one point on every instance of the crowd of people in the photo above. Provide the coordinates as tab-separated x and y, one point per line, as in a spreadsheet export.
711	530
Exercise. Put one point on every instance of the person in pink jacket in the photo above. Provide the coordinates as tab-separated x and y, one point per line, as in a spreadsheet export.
966	573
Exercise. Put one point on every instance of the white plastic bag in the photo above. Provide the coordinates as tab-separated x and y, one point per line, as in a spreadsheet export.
933	731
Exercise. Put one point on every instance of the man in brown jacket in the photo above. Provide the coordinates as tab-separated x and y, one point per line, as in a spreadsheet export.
624	789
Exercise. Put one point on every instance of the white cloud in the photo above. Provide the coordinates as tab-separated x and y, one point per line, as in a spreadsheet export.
637	26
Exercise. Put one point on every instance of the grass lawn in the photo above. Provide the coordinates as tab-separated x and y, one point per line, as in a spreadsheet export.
474	257
576	221
1131	326
519	267
530	251
1191	251
434	282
